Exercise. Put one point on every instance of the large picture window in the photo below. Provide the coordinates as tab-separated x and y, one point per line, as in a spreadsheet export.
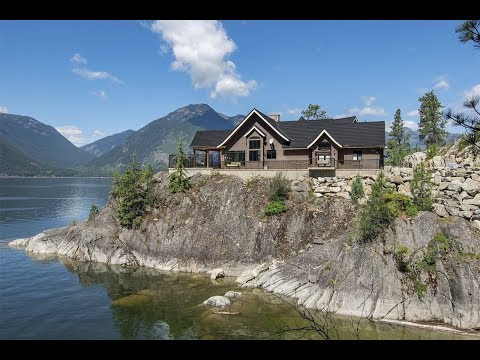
235	156
254	153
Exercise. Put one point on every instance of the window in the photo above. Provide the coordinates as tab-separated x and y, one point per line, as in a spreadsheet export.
357	155
254	144
253	154
235	156
271	154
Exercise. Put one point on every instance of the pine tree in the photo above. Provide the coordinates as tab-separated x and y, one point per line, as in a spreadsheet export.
397	145
314	112
178	179
422	185
432	124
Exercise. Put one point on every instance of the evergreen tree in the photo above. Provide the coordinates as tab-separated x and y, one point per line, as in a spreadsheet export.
357	189
397	146
432	124
178	179
421	186
470	119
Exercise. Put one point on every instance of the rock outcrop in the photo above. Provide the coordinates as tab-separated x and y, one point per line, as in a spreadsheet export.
304	253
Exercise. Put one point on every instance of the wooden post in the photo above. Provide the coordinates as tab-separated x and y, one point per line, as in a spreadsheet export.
194	159
206	160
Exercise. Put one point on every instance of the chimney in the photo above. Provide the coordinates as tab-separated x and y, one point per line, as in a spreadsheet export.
275	117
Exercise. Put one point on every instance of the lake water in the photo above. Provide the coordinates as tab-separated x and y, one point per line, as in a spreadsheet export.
43	297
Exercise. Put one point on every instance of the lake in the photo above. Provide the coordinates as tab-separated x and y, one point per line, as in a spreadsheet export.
45	297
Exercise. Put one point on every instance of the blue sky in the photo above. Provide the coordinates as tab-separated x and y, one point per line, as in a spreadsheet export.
94	78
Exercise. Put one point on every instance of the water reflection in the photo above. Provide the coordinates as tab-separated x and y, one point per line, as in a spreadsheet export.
148	304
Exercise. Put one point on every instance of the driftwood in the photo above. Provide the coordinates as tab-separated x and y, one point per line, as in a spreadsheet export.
226	313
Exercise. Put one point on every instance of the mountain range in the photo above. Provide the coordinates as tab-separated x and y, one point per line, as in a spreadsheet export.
103	145
29	147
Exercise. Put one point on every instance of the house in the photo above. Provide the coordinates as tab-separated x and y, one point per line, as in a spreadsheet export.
264	142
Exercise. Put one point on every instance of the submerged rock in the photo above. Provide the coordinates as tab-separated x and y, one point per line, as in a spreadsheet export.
216	273
218	301
233	294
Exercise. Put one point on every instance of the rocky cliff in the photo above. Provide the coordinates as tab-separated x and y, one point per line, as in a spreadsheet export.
304	253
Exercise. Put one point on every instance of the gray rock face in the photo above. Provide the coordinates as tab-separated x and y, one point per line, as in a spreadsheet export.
218	301
364	279
218	223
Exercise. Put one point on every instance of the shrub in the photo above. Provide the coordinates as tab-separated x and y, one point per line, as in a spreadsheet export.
178	179
421	187
357	189
275	207
279	187
93	212
432	151
252	180
401	251
134	189
400	204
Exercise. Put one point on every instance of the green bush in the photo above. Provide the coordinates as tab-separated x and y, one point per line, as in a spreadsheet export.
279	187
382	207
275	207
93	212
400	204
357	189
134	190
421	187
178	179
432	151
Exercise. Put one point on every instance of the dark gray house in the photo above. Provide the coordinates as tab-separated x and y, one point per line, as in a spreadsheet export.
264	142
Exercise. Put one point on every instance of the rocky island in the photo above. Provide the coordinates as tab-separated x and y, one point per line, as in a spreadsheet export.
425	267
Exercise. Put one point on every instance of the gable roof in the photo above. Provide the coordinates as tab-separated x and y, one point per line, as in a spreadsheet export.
270	122
346	132
209	138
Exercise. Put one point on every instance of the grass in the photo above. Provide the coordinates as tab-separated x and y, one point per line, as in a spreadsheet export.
275	207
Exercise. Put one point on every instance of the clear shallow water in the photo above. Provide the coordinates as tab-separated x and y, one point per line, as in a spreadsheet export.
45	297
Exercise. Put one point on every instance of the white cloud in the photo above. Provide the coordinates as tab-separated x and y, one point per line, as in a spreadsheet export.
368	109
474	91
368	100
99	93
200	48
72	133
442	85
96	75
3	109
295	111
77	59
79	68
97	132
412	113
411	124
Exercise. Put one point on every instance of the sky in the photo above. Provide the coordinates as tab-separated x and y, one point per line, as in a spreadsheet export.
90	79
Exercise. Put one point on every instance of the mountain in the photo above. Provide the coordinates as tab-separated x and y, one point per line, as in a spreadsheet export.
235	120
13	162
154	142
108	143
40	142
415	141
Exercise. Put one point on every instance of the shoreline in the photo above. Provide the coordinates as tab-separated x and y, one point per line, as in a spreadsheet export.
54	177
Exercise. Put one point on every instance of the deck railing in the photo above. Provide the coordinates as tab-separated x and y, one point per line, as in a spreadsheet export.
199	161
